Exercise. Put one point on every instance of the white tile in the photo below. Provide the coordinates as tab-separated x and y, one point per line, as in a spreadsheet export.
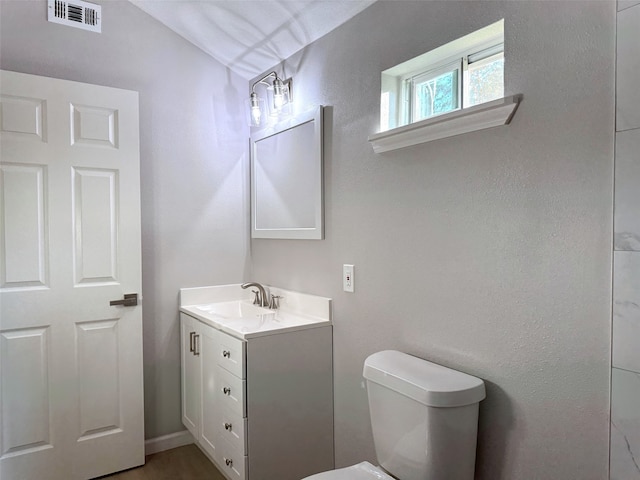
625	425
623	4
626	310
628	70
627	197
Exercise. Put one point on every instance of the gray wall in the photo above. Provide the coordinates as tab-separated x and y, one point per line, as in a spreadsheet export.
625	381
488	252
193	162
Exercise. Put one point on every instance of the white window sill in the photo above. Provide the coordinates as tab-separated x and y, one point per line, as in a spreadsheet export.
479	117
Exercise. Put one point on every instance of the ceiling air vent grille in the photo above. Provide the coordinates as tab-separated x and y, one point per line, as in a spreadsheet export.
77	14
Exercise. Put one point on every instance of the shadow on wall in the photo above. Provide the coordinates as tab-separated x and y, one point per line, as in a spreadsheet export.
495	409
233	104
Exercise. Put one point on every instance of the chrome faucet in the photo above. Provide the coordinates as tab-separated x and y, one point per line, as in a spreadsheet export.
261	297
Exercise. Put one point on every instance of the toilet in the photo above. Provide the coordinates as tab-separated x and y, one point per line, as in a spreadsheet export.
424	419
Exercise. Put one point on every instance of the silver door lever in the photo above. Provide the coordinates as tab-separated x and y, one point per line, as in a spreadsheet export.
129	300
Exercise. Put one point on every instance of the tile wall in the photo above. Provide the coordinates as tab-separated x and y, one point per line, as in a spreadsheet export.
625	378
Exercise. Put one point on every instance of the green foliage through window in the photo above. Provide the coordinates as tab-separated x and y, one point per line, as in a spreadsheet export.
435	96
485	80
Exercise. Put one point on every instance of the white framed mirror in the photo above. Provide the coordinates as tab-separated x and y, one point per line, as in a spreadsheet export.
286	179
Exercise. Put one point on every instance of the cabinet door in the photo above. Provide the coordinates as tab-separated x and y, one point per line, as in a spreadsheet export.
191	373
209	414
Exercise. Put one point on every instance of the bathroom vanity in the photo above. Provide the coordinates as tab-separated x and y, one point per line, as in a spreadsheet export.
257	384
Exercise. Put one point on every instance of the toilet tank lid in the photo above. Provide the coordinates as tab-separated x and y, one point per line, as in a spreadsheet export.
428	383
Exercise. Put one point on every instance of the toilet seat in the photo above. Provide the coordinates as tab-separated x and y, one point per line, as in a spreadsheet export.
361	471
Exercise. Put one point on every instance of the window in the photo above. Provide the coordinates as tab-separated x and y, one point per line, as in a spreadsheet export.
432	93
484	79
458	75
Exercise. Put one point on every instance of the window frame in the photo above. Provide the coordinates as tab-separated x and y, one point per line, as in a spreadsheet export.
409	87
481	52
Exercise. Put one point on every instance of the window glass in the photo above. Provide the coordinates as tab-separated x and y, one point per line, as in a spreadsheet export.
485	80
435	95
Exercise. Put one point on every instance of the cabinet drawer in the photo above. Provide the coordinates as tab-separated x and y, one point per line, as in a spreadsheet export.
232	461
232	428
231	355
231	392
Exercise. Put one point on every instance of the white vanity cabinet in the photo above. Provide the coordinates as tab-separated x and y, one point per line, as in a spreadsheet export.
261	407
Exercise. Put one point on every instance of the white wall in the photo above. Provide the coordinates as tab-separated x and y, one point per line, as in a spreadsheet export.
625	381
488	252
193	161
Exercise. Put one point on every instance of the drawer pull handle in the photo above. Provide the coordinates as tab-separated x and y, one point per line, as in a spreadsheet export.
226	353
196	343
227	426
226	390
229	462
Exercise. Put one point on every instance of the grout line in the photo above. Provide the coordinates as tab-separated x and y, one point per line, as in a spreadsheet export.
627	129
625	370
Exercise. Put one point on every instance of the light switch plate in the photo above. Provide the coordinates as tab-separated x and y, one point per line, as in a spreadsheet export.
348	278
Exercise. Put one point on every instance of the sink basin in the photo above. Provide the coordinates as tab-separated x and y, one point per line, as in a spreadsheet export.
228	308
235	309
245	320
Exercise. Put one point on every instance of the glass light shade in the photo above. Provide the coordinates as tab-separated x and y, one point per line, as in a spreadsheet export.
255	110
279	99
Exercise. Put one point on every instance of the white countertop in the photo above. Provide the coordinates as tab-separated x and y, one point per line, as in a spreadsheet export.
229	308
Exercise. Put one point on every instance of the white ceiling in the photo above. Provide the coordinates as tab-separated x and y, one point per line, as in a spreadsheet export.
251	36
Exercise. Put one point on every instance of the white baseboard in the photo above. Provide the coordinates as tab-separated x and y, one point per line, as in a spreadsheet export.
167	442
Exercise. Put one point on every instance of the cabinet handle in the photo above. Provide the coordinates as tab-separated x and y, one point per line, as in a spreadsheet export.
191	334
227	426
196	351
226	353
229	462
226	390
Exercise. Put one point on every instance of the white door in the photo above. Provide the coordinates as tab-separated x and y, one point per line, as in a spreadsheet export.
70	363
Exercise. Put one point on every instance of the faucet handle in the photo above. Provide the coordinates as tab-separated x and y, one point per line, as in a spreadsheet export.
256	299
274	304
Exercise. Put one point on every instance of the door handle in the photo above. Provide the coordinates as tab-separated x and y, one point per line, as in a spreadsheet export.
129	300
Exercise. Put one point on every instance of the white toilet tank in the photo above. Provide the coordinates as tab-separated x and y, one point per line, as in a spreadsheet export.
424	417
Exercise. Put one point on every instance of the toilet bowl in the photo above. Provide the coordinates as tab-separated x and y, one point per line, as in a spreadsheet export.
424	419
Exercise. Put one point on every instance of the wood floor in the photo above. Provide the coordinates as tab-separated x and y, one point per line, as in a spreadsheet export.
183	463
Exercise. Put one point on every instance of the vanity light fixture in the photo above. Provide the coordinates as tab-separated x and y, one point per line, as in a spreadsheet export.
279	104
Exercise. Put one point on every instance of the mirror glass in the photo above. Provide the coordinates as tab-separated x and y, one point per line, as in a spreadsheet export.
286	179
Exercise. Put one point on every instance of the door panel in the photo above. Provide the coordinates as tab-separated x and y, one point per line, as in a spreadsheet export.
94	126
70	244
23	117
98	377
25	390
95	200
23	232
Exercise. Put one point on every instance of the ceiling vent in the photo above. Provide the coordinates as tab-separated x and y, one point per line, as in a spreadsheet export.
77	14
